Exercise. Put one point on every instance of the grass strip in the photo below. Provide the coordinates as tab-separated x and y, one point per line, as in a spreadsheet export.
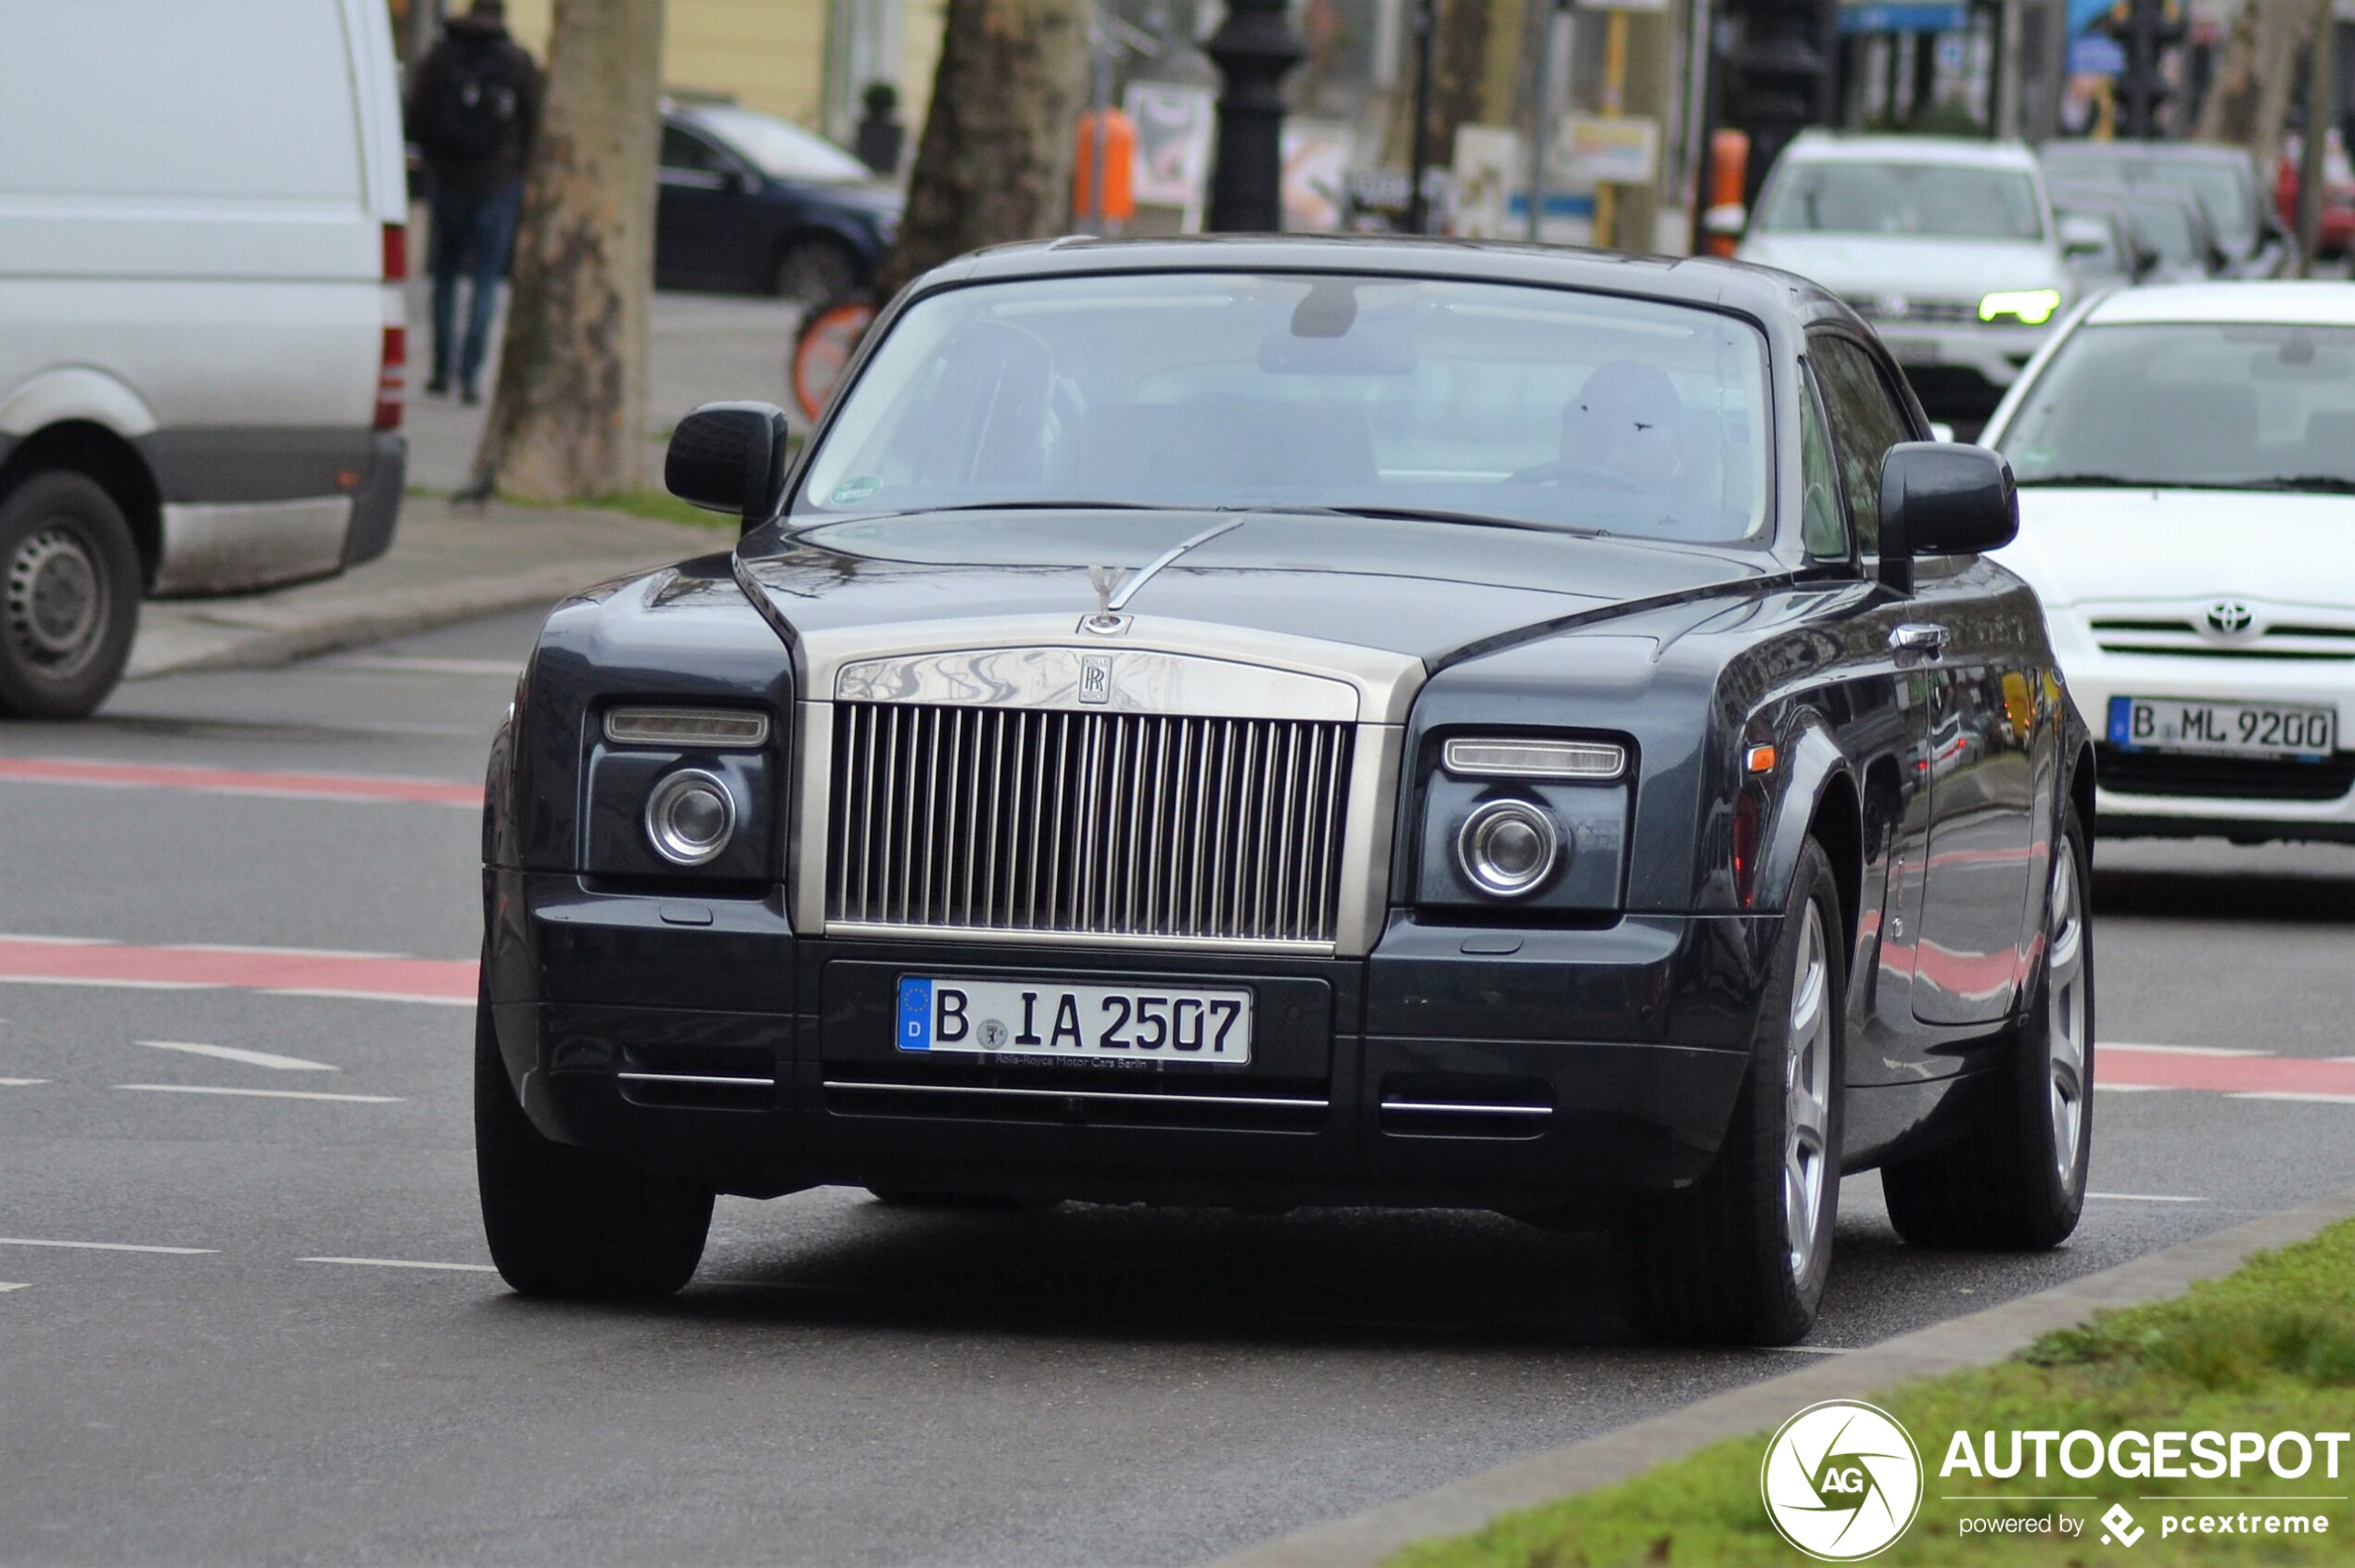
2269	1348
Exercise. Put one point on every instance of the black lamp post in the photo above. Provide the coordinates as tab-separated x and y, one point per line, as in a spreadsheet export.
1255	48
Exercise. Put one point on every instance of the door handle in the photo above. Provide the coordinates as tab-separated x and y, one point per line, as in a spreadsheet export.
1918	637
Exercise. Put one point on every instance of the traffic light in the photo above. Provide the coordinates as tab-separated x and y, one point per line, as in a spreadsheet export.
2143	28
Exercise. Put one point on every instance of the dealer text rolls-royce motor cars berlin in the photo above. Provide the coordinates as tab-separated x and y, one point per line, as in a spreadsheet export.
1284	722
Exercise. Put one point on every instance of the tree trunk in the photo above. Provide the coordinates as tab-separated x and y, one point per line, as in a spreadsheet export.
568	417
994	164
2257	79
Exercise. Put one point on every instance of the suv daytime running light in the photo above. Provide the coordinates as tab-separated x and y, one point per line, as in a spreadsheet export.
1504	759
2035	307
717	728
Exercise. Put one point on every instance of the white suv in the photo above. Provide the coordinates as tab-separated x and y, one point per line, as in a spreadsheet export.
1948	247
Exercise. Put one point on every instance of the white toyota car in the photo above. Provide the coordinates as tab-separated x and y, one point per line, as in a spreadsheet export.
2187	467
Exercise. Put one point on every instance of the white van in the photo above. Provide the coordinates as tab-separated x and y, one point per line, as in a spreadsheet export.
201	325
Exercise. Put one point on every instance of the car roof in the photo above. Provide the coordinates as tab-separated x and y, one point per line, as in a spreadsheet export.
1705	281
2285	302
1839	146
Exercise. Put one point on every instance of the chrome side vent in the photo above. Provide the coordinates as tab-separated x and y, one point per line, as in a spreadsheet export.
1115	824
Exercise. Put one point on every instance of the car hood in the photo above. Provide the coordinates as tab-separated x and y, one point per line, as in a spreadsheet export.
1427	591
1854	265
2088	546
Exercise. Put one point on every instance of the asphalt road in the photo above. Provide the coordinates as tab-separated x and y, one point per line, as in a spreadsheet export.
845	1383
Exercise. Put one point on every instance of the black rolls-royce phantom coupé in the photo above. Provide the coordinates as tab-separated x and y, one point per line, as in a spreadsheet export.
1283	721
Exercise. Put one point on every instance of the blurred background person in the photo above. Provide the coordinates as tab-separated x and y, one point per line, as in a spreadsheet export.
473	110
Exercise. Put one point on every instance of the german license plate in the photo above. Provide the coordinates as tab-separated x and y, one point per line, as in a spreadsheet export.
2223	728
1911	350
1112	1023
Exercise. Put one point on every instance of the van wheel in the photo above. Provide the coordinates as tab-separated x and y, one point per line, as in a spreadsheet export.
2017	1179
70	582
1740	1256
570	1222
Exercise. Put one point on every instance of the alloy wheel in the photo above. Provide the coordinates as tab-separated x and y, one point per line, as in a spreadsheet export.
1807	1098
2064	1015
56	602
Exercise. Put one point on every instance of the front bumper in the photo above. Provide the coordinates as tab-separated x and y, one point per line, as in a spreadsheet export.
2292	801
702	1035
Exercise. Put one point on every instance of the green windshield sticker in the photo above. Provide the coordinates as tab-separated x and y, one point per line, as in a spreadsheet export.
859	489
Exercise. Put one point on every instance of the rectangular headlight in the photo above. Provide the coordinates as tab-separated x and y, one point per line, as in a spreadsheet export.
1508	758
719	729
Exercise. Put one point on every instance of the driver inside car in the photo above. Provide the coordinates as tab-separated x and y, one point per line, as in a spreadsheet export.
1624	446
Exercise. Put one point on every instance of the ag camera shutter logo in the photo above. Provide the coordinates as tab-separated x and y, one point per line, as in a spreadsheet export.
1841	1480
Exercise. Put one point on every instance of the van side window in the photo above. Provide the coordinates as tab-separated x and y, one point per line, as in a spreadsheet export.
1821	526
1867	421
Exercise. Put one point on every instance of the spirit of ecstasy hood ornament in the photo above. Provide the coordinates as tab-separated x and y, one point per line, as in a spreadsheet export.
1116	585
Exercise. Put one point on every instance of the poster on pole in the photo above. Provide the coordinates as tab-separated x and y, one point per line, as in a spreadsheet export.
1489	172
1624	151
1174	129
1316	157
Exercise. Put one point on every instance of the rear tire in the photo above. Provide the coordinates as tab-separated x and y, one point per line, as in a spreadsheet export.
575	1223
2015	1180
1740	1256
69	586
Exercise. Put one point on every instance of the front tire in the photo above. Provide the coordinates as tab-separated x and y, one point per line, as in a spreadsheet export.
69	588
1740	1257
575	1223
815	270
2017	1179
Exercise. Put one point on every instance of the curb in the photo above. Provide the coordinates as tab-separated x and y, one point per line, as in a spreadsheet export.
1364	1540
210	644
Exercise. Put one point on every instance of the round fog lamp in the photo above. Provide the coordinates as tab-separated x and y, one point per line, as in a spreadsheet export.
690	817
1506	847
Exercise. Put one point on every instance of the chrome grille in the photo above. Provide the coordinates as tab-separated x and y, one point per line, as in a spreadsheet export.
1917	312
1115	824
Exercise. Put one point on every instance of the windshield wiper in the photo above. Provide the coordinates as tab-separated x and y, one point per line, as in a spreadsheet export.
2329	484
1421	514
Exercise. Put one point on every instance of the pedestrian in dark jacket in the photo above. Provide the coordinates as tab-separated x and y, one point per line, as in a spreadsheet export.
473	110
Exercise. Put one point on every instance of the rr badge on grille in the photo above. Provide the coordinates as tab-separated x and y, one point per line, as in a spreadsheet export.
1095	678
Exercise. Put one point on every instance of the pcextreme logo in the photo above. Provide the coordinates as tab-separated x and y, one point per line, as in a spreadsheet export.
1841	1480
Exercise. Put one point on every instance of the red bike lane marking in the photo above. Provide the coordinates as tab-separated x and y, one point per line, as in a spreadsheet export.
275	971
238	781
2127	1066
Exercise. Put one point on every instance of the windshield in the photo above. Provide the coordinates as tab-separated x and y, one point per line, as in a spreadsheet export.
1836	195
1525	406
2167	228
2222	194
2237	406
780	149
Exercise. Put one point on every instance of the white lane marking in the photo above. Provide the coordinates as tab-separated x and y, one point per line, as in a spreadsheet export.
6	1286
2314	1099
2144	1198
404	1263
239	1053
262	1093
2175	1050
102	1246
373	996
20	1083
1810	1349
2133	1088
